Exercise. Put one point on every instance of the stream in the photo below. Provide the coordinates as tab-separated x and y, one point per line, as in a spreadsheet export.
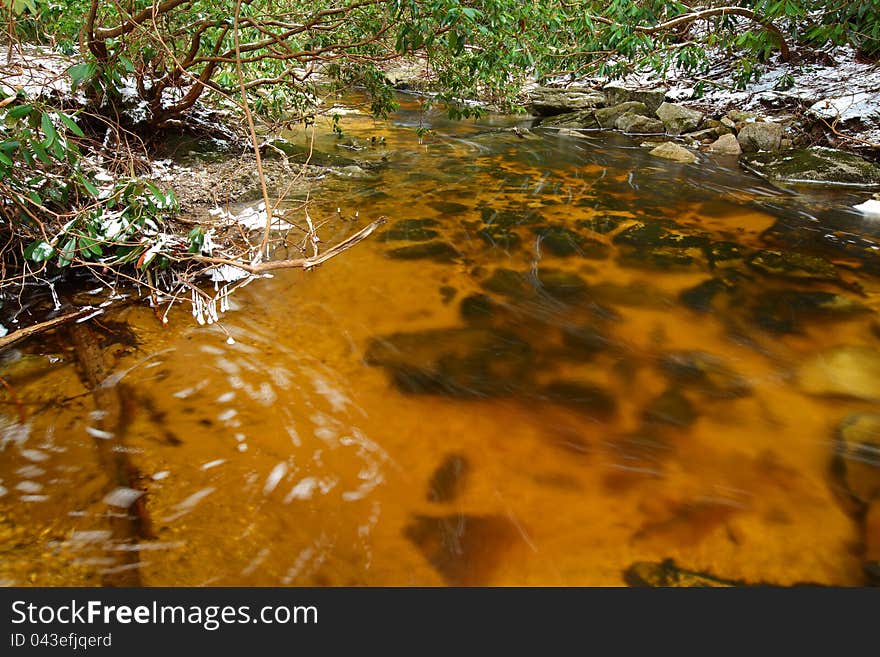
562	361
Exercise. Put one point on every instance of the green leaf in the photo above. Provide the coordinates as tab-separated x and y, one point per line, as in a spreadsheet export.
38	251
70	124
90	188
48	130
68	251
79	72
4	159
19	111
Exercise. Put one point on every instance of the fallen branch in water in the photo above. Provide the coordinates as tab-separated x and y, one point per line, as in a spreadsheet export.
28	331
304	263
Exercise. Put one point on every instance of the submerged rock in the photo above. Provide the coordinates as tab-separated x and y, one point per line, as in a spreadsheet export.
700	296
477	309
667	574
654	233
678	119
704	372
548	101
794	265
784	311
601	225
585	397
561	241
672	151
843	371
671	407
760	136
500	236
464	549
448	479
856	461
412	230
459	362
724	254
584	341
436	251
815	165
521	286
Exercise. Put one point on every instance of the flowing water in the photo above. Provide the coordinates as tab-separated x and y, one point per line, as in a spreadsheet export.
561	358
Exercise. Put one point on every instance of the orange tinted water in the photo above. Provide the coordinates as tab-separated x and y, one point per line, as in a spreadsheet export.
329	446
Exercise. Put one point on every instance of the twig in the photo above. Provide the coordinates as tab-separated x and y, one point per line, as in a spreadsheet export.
304	263
34	329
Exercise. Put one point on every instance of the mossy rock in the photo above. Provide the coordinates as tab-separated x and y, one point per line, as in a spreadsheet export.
585	397
655	233
704	373
856	462
814	165
523	286
793	265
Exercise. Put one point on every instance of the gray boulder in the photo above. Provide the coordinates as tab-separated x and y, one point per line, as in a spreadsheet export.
547	101
678	119
672	151
638	125
607	117
617	93
572	120
726	145
760	136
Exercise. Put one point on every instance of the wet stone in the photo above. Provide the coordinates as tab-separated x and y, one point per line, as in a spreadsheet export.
562	285
448	479
799	266
464	549
411	230
509	218
666	574
601	225
705	373
856	463
449	207
458	362
499	236
585	397
671	407
656	234
584	342
561	241
843	371
700	296
658	258
725	254
477	309
435	251
785	311
447	293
